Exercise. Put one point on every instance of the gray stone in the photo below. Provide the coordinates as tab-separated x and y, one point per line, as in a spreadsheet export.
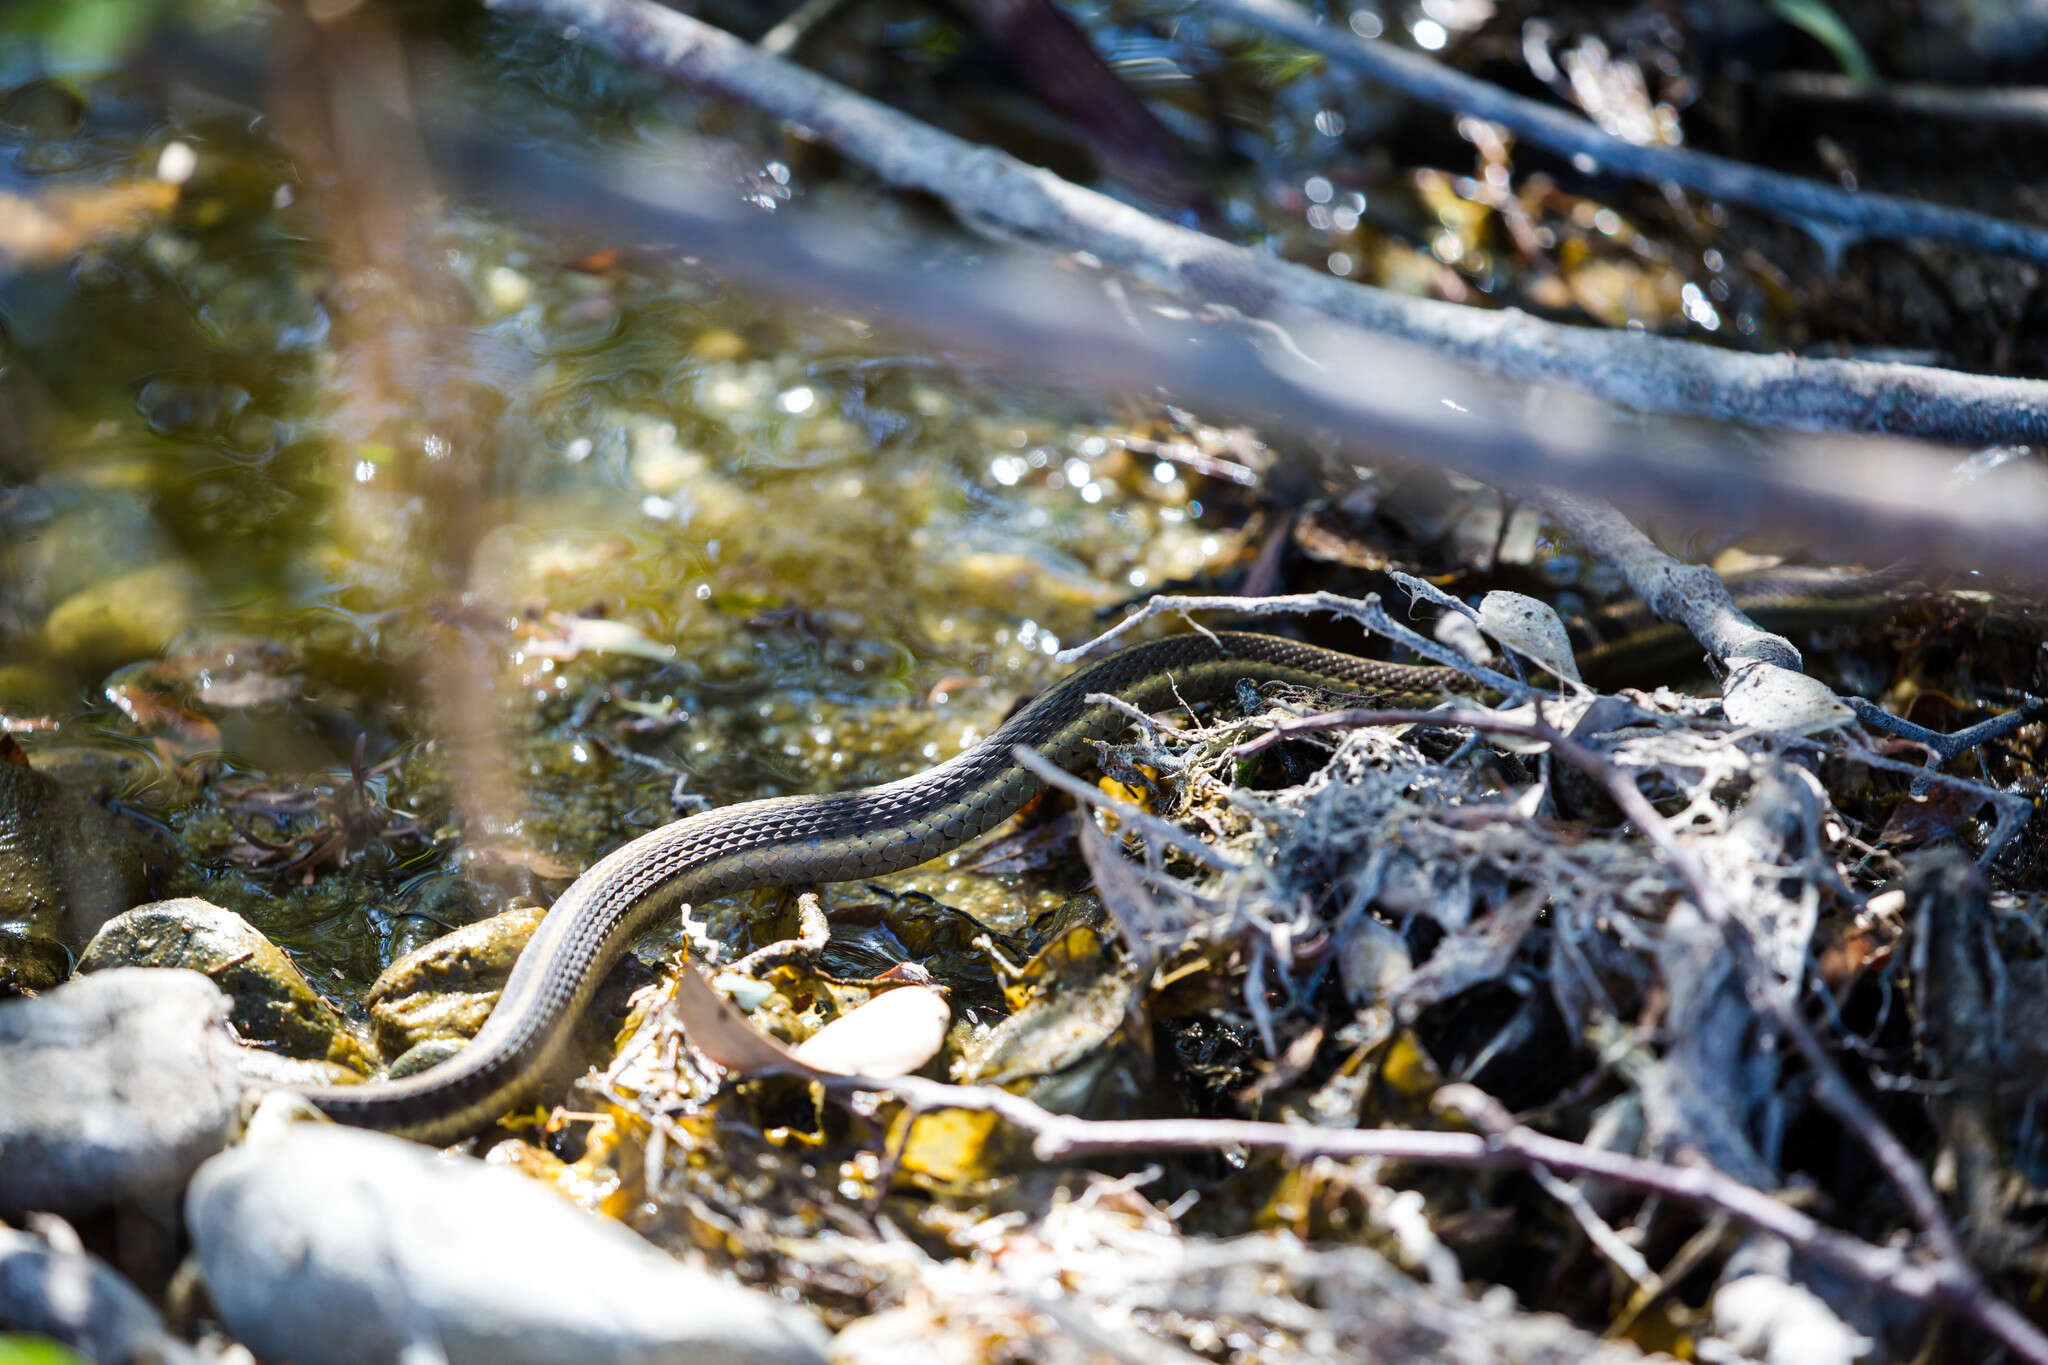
332	1246
52	1288
113	1088
273	1003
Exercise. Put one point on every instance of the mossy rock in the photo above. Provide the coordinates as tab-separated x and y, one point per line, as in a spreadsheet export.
125	618
447	988
273	1003
67	864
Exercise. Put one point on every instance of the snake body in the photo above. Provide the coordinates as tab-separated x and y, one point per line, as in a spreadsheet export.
795	840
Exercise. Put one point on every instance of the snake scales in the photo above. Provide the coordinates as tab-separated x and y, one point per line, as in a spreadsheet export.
795	840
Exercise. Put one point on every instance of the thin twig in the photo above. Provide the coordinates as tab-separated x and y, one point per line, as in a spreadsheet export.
1943	1285
1150	825
1833	216
1943	747
2012	105
813	932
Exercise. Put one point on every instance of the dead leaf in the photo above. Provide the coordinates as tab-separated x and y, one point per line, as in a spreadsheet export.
891	1035
1763	696
719	1031
1926	819
1532	629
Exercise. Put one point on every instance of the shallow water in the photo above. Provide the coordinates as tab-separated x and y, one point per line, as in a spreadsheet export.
463	564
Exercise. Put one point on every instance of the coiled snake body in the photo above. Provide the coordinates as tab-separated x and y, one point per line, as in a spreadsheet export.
794	840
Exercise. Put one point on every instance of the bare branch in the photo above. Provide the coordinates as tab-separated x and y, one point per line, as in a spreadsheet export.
1832	215
1692	595
1945	1285
1648	373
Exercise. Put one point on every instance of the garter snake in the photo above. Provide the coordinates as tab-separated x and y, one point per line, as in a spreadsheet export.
796	840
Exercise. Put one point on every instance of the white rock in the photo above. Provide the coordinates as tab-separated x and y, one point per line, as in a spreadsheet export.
113	1088
54	1289
330	1246
1778	1323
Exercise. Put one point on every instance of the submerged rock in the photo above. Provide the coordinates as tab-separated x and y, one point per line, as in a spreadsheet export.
50	1287
66	863
113	1088
30	963
273	1003
125	618
331	1246
447	988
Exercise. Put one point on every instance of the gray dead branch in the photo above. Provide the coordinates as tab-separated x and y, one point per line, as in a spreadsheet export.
1691	594
1650	374
1711	897
1835	217
1074	326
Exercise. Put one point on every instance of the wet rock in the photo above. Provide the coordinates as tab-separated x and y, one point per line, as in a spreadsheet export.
332	1246
113	1088
51	1287
273	1003
120	619
87	535
425	1056
448	988
264	1070
30	964
67	864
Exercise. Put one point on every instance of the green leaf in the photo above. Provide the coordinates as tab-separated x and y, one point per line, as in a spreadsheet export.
16	1349
1814	18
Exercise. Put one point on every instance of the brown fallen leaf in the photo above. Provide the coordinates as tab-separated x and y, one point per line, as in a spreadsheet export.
1940	814
42	229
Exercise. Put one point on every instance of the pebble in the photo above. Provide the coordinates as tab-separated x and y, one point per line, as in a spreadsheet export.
273	1003
113	1088
331	1246
52	1288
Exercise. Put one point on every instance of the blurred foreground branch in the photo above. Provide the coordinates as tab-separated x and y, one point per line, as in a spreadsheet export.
1652	374
1352	399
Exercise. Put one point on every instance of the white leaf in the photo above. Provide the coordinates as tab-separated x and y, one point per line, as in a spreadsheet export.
1761	696
1531	629
892	1035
